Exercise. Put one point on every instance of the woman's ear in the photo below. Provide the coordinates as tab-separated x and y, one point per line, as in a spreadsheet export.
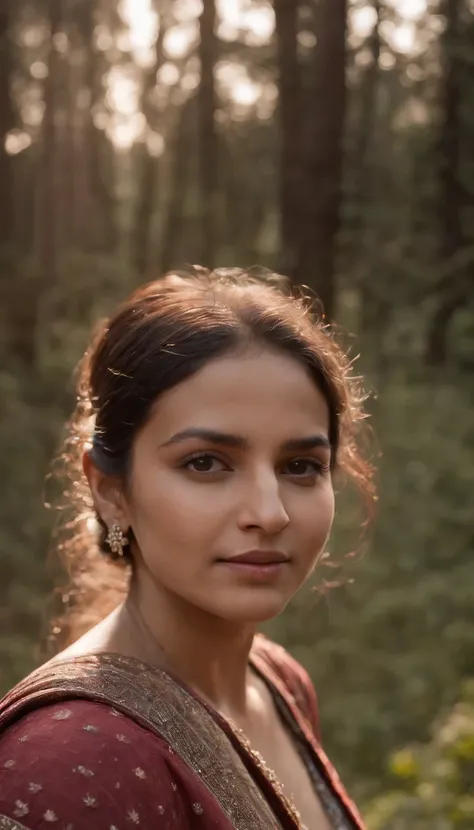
107	494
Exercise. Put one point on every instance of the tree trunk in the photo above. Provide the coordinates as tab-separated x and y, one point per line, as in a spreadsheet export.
208	162
96	215
101	160
364	252
363	185
48	207
323	155
451	190
7	123
452	285
178	183
290	116
147	168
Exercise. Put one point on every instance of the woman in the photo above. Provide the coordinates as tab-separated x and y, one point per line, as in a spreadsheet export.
213	412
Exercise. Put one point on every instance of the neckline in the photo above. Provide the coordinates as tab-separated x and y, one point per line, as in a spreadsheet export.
261	668
306	745
250	757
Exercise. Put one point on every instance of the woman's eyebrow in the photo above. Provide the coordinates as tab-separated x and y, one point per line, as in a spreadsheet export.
310	443
210	435
239	442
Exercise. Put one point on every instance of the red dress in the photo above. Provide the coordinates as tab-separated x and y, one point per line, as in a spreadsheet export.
108	743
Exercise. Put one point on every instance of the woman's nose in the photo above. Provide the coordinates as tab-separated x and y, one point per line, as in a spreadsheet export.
262	506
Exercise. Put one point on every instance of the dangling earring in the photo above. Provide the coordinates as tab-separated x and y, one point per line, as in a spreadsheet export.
116	539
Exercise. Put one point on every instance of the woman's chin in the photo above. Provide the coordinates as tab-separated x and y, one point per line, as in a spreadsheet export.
255	611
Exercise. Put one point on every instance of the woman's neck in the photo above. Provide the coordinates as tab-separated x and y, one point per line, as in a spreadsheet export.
209	654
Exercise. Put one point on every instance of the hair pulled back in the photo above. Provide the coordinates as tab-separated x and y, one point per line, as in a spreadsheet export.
161	335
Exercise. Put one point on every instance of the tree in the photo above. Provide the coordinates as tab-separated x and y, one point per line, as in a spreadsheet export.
456	186
179	177
48	204
7	123
207	133
291	125
323	154
94	180
147	165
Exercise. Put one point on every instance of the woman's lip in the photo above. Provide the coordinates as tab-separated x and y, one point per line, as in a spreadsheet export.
258	557
255	570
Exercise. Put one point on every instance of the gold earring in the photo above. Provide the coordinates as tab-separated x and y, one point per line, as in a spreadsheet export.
116	539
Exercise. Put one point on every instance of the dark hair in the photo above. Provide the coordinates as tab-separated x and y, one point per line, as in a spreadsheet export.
160	336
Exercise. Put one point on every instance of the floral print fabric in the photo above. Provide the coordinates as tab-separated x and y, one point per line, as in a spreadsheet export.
84	766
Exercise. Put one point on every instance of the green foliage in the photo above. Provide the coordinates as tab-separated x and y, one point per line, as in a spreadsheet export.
432	783
36	400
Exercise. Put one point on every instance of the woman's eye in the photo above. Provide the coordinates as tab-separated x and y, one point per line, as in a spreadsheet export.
205	464
305	467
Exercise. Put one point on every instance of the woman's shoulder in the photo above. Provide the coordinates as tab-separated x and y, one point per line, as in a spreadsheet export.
292	675
83	764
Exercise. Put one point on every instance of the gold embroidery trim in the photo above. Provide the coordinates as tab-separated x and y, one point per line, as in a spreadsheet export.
166	708
10	824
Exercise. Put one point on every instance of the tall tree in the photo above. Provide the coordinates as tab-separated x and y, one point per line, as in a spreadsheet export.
7	123
48	207
364	248
178	184
147	165
208	145
365	135
453	285
97	224
323	154
290	117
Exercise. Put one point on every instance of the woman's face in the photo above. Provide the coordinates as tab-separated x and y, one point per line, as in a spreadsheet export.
234	460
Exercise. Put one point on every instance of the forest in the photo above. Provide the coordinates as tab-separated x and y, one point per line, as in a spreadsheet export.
329	140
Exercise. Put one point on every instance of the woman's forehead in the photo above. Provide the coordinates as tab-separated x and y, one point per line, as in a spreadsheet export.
250	392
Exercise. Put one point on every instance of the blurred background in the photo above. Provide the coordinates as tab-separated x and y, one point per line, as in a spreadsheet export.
332	140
